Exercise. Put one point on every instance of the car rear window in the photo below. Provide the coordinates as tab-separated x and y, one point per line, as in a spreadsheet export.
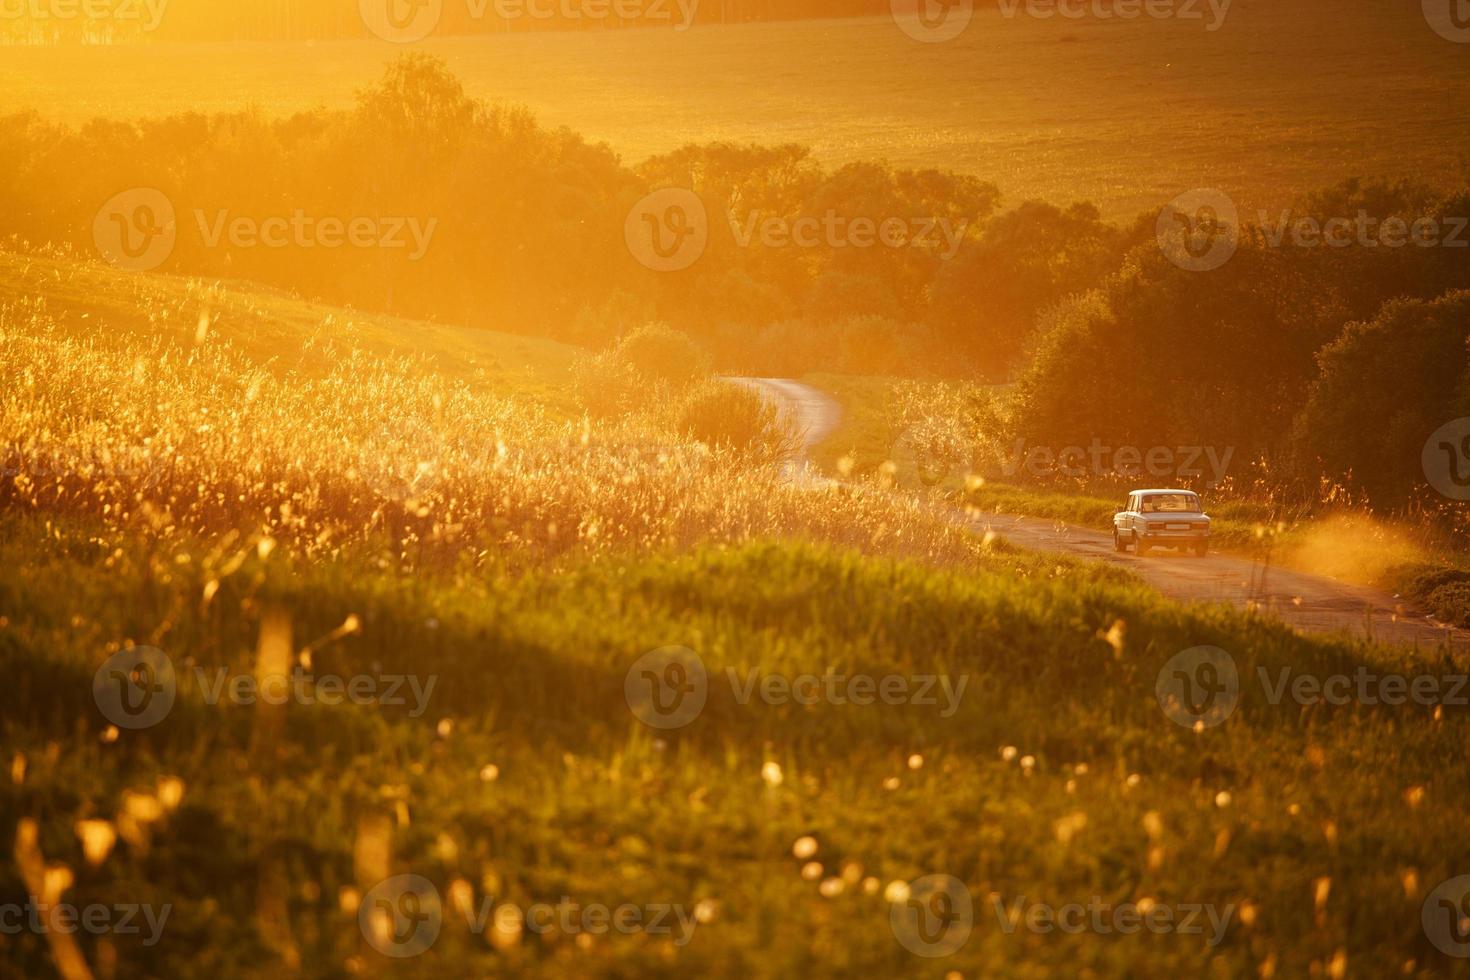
1171	503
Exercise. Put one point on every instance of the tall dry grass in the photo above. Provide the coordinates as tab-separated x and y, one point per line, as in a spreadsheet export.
201	440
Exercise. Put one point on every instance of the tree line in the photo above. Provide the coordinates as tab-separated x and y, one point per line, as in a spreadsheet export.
1309	362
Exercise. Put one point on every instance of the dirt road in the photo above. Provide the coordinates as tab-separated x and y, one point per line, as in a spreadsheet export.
813	414
1306	602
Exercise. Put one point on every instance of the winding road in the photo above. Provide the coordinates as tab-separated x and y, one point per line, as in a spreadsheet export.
1306	602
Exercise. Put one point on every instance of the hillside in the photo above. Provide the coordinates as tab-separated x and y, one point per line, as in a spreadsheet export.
94	302
513	599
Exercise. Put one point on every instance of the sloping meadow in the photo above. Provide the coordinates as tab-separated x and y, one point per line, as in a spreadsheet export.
371	451
861	723
397	622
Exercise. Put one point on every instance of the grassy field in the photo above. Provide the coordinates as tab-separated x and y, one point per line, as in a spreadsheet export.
1098	795
270	328
1039	107
867	434
224	497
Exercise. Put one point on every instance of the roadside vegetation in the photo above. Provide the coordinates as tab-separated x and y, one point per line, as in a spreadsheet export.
959	441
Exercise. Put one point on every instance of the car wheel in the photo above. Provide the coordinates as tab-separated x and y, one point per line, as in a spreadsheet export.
1118	542
1201	550
1140	546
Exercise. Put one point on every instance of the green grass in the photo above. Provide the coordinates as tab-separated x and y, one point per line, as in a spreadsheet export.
1057	110
590	804
288	816
867	434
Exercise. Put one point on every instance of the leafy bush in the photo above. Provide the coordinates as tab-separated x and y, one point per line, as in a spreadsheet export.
661	354
606	386
1451	604
725	415
1444	592
1363	424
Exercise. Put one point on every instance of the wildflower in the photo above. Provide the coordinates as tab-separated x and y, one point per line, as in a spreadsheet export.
143	809
98	837
1153	825
170	793
1070	826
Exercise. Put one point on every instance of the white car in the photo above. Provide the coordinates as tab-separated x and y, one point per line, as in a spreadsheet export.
1162	519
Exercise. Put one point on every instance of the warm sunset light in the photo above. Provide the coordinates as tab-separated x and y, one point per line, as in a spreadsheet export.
678	488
